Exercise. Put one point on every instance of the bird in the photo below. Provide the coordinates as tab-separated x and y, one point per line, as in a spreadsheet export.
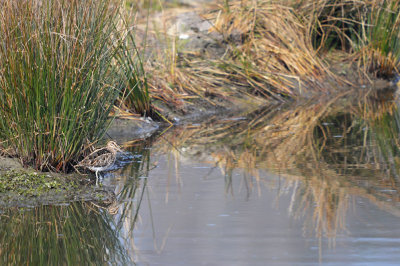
101	159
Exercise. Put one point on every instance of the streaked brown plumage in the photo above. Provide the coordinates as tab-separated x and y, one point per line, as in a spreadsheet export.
101	159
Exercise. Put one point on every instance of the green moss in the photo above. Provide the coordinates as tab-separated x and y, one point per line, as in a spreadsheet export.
32	184
99	196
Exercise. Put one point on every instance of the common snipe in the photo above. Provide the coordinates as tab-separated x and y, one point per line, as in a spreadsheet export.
101	159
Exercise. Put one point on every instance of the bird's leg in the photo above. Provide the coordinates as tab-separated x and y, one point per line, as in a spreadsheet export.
76	169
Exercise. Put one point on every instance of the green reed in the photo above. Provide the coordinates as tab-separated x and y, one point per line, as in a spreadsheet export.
135	93
59	76
381	37
369	28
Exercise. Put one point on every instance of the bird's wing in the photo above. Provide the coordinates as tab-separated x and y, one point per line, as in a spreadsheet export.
103	160
92	156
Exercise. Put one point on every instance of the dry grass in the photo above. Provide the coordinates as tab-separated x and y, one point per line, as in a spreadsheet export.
275	55
268	53
275	49
370	29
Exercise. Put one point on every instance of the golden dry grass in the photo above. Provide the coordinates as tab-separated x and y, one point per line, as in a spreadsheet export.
369	29
274	49
273	59
276	55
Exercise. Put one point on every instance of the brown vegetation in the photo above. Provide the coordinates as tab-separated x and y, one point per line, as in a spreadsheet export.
277	49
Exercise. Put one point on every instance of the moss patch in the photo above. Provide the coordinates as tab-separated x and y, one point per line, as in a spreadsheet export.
22	188
32	184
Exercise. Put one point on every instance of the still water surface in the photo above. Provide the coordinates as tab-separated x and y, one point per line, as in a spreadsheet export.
191	219
220	194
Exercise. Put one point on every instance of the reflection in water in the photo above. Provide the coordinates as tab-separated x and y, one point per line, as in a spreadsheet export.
326	150
130	189
77	234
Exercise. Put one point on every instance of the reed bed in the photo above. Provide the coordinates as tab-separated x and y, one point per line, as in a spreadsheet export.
62	66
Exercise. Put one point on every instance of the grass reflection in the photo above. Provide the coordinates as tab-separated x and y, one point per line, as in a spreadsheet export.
130	188
77	234
327	150
134	184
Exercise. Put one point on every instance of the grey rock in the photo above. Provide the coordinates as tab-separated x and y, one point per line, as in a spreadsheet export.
195	34
189	2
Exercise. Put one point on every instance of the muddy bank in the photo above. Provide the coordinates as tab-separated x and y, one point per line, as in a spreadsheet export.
21	187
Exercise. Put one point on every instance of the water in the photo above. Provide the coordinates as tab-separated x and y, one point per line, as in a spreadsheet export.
234	192
193	219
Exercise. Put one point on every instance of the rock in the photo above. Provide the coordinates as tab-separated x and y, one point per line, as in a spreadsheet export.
123	130
383	90
195	34
189	2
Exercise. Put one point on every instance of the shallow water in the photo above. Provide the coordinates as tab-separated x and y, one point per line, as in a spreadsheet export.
191	219
213	195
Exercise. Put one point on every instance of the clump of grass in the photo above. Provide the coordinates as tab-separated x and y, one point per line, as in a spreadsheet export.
369	28
380	37
135	92
277	49
59	76
268	53
275	56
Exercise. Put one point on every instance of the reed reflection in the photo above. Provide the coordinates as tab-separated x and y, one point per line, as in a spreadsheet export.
77	234
326	149
130	185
